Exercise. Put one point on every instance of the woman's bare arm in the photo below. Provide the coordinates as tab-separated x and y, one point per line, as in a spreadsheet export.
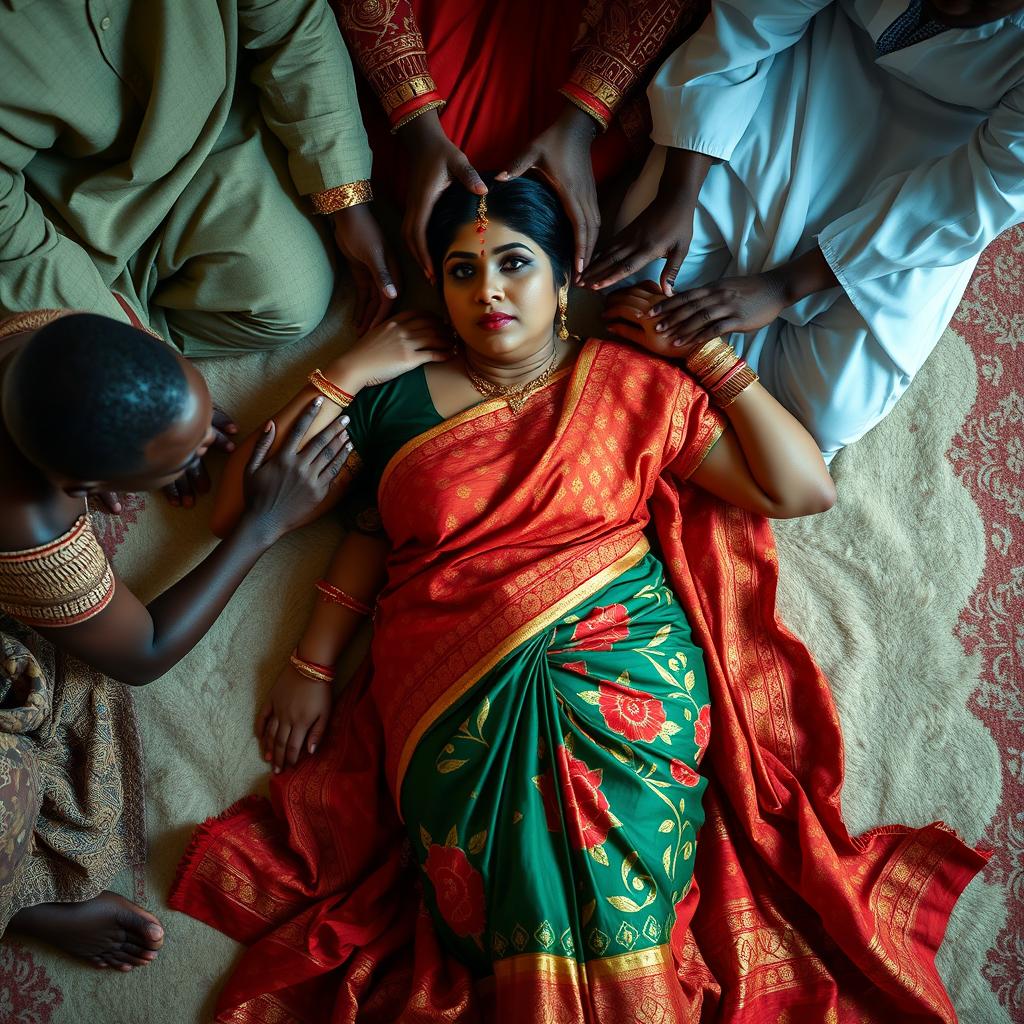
296	712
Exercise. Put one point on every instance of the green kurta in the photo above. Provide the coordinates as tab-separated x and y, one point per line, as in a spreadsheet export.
135	156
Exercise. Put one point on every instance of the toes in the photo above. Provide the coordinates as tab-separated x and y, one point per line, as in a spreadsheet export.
98	961
122	961
136	955
140	952
142	927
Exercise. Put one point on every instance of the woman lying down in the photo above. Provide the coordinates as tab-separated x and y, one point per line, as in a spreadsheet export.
499	819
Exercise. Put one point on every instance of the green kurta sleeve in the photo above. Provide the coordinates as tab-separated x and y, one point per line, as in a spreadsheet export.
307	90
40	268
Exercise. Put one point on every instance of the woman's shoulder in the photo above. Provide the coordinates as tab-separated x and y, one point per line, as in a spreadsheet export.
633	361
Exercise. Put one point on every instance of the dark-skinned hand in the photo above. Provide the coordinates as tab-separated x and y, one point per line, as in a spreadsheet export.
561	155
663	230
731	305
436	163
285	491
369	257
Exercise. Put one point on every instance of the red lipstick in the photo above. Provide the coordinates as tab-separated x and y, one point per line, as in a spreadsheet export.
494	321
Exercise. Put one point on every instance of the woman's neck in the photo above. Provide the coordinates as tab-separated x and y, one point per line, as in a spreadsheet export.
510	373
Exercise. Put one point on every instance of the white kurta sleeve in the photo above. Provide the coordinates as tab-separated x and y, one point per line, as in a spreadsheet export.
941	213
705	94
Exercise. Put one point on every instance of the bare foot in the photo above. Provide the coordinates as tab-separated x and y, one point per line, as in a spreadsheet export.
108	931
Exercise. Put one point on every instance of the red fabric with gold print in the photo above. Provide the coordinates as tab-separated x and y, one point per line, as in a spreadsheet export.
799	920
502	70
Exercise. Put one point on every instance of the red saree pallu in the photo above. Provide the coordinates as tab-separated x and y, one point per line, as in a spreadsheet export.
499	73
501	527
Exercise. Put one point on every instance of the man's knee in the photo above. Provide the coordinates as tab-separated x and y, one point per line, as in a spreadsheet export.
281	301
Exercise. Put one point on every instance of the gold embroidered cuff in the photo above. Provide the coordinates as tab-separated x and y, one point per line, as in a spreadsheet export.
586	108
341	198
433	105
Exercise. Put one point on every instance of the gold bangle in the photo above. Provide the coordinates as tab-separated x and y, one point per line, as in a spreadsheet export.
330	390
735	387
711	379
723	360
332	200
707	355
318	673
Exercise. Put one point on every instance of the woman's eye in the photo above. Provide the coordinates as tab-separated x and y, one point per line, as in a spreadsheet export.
514	263
461	271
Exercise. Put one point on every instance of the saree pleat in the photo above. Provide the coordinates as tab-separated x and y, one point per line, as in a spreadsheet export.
798	920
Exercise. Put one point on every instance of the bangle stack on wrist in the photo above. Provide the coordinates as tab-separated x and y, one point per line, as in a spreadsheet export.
310	669
720	372
330	390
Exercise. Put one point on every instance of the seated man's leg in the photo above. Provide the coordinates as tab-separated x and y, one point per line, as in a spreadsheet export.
830	373
241	264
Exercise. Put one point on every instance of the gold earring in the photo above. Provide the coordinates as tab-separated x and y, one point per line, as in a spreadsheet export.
563	309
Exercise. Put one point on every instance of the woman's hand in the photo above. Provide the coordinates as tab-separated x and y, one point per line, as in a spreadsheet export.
293	719
436	163
626	315
731	305
391	349
285	491
561	155
374	269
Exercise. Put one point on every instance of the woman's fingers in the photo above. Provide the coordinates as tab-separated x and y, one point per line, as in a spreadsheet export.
330	451
261	723
296	739
281	745
268	737
315	734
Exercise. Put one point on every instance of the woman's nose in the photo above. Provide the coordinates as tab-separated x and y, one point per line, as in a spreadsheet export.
489	288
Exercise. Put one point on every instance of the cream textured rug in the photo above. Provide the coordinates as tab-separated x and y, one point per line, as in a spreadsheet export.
910	592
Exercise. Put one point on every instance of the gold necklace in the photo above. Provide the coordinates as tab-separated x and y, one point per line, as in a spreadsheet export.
515	394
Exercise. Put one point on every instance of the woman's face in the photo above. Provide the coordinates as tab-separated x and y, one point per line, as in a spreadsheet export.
501	304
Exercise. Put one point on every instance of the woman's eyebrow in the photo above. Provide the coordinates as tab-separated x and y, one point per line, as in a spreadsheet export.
460	255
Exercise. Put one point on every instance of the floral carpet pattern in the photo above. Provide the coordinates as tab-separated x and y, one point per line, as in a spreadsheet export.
988	453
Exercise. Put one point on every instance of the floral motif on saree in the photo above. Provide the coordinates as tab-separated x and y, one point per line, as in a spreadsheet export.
498	720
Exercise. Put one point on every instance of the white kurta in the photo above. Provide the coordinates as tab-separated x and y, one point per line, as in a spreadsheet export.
902	168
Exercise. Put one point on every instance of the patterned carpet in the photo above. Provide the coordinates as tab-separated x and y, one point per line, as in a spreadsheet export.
910	592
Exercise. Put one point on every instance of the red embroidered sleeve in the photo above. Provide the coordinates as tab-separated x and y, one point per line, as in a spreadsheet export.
385	41
620	39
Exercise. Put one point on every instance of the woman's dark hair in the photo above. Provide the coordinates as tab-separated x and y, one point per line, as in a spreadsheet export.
526	205
87	393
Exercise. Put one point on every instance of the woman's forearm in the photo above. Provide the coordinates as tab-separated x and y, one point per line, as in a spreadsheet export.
784	459
357	569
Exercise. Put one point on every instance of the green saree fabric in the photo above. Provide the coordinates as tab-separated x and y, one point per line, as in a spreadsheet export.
599	723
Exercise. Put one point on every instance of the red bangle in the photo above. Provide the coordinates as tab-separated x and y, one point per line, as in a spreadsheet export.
732	373
310	669
337	596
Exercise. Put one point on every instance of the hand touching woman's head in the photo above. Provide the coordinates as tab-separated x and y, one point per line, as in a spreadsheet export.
503	302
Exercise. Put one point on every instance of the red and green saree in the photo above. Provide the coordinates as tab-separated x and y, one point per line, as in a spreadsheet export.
502	824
